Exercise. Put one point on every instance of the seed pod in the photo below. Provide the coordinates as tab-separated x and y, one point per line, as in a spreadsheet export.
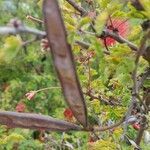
63	60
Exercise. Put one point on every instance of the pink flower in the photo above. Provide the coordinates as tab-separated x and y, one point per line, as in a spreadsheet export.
30	95
20	107
122	27
92	14
45	45
136	126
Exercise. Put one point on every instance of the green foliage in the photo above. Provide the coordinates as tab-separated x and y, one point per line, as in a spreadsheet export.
101	21
108	77
102	144
11	47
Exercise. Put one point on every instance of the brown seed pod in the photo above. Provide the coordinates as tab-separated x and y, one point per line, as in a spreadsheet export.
63	60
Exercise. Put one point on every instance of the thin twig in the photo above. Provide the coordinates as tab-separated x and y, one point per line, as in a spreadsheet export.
87	45
83	44
77	7
137	4
141	131
48	88
25	43
89	76
139	54
22	29
104	101
143	78
34	19
109	127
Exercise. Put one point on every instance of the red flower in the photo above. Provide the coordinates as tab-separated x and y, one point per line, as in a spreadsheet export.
122	27
136	126
91	140
20	107
68	113
30	95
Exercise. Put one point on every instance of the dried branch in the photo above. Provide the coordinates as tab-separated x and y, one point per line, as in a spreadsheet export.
109	127
106	33
83	44
35	121
141	131
137	4
77	7
87	45
104	101
21	29
139	54
41	34
25	43
143	78
118	38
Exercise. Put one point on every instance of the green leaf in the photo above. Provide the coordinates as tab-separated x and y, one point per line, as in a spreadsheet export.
101	21
147	83
11	48
103	3
146	5
83	21
40	2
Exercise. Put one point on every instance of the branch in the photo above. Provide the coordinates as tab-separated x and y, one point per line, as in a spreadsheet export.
35	121
137	5
106	33
106	102
118	38
141	131
83	44
135	89
41	34
34	19
109	127
143	78
25	43
87	45
139	54
22	29
77	7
